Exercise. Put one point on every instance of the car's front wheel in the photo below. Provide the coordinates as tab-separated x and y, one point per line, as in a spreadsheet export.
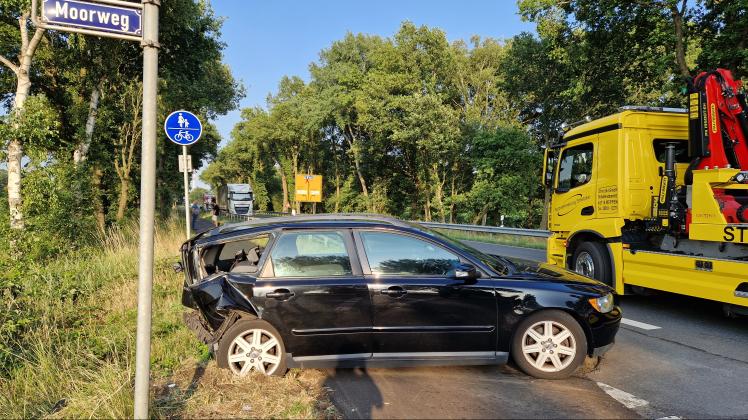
252	345
549	345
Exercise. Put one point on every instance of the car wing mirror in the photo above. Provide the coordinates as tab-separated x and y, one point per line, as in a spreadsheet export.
466	272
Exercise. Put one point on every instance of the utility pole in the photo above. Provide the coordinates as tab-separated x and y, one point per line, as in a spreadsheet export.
147	207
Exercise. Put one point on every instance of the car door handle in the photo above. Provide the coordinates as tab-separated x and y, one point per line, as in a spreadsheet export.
588	211
394	291
280	294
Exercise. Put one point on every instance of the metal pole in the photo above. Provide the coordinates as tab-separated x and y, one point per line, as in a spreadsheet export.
186	192
147	207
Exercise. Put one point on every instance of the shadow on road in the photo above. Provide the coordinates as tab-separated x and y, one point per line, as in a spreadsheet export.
465	392
358	395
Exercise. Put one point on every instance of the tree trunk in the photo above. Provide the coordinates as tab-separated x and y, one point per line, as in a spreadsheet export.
482	214
295	161
15	155
355	144
424	189
23	87
439	193
680	43
453	196
79	155
97	204
284	186
337	192
124	183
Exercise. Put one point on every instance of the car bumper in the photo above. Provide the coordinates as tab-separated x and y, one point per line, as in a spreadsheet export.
603	330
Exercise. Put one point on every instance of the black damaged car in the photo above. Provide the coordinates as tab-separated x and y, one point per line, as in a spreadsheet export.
363	290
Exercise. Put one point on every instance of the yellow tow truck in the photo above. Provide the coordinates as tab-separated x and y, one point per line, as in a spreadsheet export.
635	204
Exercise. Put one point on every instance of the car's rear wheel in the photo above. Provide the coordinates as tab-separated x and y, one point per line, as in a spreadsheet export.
549	345
252	345
591	259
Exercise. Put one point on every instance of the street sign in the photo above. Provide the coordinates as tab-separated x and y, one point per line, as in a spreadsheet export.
182	158
183	128
102	17
309	188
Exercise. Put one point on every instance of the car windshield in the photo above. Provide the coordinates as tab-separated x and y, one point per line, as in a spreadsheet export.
241	196
498	264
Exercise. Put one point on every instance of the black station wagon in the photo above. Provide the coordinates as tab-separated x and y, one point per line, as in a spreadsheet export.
364	290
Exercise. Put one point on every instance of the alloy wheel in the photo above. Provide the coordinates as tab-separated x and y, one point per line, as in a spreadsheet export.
256	349
549	346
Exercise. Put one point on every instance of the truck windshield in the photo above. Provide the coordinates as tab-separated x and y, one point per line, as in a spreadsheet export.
241	196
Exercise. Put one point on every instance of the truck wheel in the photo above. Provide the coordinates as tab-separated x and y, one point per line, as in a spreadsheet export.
591	259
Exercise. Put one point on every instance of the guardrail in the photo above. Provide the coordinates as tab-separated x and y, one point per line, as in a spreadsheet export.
255	215
455	226
489	229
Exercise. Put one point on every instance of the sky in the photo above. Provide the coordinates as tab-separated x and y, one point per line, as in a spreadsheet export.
268	39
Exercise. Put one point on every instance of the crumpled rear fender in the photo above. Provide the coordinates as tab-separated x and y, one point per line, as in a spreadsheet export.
217	298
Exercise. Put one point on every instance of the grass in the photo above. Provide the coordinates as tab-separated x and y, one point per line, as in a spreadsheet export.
496	238
74	355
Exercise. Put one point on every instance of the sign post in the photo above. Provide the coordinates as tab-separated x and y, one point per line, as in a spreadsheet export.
147	208
133	22
184	129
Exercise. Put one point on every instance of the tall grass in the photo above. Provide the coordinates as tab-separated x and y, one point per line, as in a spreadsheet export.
72	353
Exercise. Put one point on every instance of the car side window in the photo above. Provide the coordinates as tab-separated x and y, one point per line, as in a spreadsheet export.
575	168
392	254
236	256
310	254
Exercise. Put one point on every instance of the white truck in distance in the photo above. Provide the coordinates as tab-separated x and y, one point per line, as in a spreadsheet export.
236	199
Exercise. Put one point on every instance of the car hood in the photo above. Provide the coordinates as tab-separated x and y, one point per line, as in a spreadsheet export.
529	270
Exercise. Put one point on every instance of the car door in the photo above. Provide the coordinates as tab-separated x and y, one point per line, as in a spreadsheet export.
418	306
312	290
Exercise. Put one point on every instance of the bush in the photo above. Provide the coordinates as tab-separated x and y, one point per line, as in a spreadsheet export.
58	210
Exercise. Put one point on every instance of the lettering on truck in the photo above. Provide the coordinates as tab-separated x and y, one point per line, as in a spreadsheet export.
730	232
68	11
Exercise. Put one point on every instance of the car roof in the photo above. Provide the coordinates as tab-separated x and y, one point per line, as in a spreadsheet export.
310	220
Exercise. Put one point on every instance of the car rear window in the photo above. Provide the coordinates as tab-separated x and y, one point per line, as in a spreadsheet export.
310	254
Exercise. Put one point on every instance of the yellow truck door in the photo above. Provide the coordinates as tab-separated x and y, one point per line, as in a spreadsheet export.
574	193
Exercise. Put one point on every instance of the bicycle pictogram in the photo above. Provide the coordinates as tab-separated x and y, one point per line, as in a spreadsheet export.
183	136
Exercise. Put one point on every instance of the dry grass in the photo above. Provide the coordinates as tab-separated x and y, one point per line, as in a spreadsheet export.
78	360
202	390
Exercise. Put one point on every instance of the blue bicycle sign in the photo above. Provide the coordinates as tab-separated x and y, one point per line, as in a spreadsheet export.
183	128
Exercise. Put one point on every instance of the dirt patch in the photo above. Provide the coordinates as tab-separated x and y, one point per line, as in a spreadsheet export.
202	390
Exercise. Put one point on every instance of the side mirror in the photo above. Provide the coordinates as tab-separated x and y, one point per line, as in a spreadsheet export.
466	272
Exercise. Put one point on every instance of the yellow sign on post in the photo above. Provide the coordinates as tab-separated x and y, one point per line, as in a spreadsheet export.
309	188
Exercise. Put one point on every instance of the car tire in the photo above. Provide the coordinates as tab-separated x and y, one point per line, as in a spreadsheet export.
245	344
558	358
591	259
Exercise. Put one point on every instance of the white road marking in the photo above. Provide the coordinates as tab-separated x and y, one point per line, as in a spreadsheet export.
629	401
638	324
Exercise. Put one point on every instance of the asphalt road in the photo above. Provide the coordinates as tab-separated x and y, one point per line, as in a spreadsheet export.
674	356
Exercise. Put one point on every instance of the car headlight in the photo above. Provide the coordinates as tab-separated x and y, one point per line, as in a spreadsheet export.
603	304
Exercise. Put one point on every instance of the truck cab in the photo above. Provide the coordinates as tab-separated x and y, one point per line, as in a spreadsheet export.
608	182
236	199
